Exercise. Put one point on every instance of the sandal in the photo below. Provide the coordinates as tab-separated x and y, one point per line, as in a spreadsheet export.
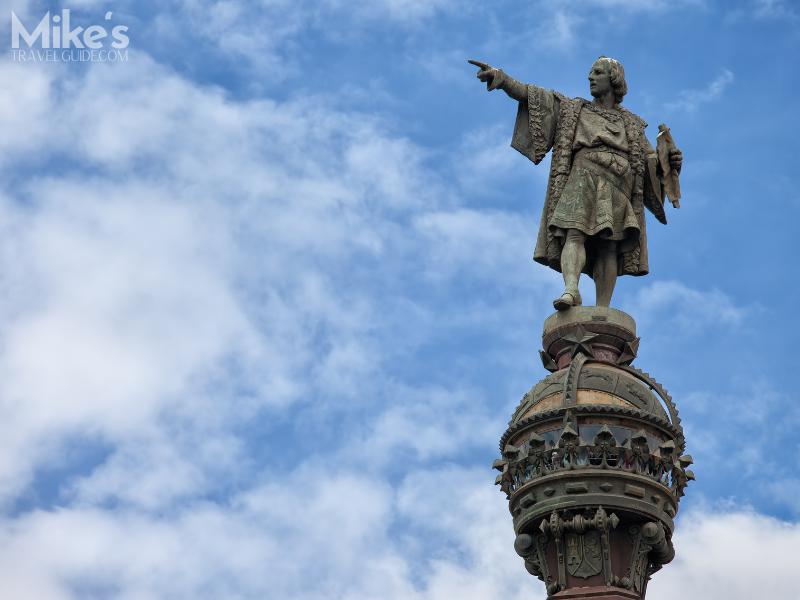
567	300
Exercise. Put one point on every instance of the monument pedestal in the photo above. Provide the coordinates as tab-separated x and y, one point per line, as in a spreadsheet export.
592	462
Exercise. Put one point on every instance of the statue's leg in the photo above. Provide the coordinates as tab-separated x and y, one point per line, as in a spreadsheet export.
605	272
573	259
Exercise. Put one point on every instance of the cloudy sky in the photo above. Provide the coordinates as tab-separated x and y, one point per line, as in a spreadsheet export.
267	302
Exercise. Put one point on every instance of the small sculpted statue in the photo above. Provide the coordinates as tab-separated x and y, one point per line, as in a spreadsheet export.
603	173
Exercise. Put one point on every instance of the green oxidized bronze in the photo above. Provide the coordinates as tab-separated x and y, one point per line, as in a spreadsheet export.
603	173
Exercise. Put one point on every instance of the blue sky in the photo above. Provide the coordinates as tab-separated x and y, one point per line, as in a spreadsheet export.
267	299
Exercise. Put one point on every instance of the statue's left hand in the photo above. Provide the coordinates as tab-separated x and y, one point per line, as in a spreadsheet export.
676	159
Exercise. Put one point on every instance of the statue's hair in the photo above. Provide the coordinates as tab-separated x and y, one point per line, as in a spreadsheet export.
617	75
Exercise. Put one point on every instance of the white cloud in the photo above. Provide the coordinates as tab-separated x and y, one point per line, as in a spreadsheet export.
559	30
680	308
111	302
425	424
478	241
483	159
24	107
261	546
153	473
756	417
731	556
468	525
401	11
691	100
20	7
266	37
203	275
266	542
563	24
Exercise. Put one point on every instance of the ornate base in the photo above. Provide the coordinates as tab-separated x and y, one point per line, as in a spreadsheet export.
592	462
596	593
606	334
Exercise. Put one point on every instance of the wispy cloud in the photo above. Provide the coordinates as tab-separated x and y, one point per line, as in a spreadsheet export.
264	39
633	6
401	11
561	23
559	29
691	100
689	310
642	5
774	9
763	11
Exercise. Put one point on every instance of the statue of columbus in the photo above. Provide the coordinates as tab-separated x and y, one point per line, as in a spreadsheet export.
602	175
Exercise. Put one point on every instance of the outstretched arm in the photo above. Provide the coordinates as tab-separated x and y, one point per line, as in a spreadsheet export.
538	111
497	78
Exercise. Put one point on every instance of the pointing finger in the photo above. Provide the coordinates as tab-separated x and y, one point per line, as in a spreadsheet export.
479	64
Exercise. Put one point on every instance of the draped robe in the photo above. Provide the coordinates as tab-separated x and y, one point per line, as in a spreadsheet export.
548	120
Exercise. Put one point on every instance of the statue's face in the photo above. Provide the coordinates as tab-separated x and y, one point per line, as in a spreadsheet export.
599	79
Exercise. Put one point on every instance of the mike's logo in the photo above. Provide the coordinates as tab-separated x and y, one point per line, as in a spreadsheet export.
54	38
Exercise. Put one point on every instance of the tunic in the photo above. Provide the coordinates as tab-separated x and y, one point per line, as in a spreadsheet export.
603	172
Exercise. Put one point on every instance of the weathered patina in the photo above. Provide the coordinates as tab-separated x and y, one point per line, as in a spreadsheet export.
593	462
603	173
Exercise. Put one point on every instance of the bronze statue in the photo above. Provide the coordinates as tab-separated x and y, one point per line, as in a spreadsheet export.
603	172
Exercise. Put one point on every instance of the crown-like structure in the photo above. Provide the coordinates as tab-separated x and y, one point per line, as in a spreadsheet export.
593	462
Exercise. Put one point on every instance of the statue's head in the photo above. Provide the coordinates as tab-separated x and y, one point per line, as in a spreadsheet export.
607	74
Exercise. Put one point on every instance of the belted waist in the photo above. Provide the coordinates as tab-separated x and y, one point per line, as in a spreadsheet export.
606	162
603	148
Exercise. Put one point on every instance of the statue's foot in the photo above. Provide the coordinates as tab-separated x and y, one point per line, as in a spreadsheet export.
567	300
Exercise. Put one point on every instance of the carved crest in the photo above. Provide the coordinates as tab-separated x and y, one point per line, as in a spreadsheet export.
584	554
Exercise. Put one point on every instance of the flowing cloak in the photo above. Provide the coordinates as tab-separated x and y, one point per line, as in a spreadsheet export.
548	120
